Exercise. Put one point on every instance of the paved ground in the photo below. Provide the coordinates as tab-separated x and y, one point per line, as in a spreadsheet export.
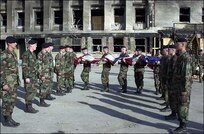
97	112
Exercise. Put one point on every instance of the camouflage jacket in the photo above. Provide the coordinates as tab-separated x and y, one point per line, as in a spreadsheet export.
107	65
86	65
69	63
60	63
140	64
123	65
182	75
44	70
51	63
30	65
163	67
171	67
9	67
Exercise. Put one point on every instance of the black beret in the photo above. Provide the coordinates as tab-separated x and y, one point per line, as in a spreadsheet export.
84	48
105	47
138	49
181	40
11	39
62	47
32	41
50	44
67	46
172	46
45	45
164	47
123	47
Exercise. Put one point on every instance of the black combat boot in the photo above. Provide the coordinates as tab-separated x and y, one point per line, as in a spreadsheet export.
140	90
166	109
59	93
107	87
43	103
30	109
68	90
181	129
14	122
124	88
157	91
9	123
49	97
172	116
86	86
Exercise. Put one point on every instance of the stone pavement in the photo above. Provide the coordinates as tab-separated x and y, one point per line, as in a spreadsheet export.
93	111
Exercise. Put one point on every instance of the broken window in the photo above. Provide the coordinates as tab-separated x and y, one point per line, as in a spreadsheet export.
119	18
78	19
39	17
184	14
20	18
76	44
118	44
58	15
57	43
140	43
3	19
97	19
97	45
202	14
140	15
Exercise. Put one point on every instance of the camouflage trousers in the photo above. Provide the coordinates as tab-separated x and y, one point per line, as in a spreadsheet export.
85	76
69	79
179	103
45	88
157	82
9	99
122	78
60	82
139	76
105	77
31	91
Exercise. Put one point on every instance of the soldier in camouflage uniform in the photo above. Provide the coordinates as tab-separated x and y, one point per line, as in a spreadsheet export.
156	67
9	81
86	69
163	70
139	70
69	67
60	70
122	76
73	57
51	73
163	73
30	75
106	70
201	65
0	79
182	84
44	74
171	94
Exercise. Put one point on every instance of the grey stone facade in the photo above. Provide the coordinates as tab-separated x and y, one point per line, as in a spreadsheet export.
133	23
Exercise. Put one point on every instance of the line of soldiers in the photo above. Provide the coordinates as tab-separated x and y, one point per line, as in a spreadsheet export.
173	79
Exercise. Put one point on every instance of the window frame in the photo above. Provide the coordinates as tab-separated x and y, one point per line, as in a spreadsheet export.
184	14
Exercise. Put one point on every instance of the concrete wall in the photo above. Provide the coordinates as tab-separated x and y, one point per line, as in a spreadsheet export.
167	12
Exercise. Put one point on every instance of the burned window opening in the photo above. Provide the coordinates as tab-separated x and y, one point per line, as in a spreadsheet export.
118	44
21	18
76	44
140	44
184	14
119	18
97	19
39	17
202	14
78	19
3	19
58	17
97	45
140	15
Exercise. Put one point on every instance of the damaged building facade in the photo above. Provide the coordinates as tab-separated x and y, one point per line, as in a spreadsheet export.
96	23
